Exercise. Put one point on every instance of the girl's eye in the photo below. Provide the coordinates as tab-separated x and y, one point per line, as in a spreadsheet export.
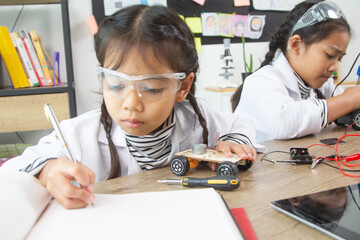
116	87
153	90
329	56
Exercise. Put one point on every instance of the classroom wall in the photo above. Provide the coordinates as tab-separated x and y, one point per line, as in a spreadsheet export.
47	19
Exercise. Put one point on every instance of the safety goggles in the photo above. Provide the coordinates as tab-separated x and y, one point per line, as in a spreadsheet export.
150	88
320	12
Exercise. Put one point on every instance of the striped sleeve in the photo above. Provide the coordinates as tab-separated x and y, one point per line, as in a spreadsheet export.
324	113
36	166
236	138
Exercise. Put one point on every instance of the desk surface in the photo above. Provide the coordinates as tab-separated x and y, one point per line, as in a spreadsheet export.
262	183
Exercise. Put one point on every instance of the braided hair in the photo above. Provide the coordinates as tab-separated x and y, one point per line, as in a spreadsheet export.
156	29
309	35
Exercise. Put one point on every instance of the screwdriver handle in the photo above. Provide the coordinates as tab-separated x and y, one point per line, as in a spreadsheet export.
225	183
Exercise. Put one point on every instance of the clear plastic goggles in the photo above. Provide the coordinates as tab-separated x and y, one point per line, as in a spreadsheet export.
320	12
150	88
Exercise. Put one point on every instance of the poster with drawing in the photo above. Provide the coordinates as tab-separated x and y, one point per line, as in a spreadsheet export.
256	25
208	22
275	5
224	25
240	26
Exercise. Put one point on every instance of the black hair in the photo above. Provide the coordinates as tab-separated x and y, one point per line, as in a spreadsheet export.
309	35
158	30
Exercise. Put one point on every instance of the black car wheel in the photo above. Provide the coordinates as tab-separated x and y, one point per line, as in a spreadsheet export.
248	164
356	120
227	168
180	165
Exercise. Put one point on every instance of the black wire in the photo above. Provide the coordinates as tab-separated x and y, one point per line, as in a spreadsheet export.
262	158
332	94
17	18
347	170
352	196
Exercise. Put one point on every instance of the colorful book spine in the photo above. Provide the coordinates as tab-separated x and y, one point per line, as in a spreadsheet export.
33	58
21	60
50	64
33	80
41	56
12	60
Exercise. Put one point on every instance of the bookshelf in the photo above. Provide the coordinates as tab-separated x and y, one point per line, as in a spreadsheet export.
22	109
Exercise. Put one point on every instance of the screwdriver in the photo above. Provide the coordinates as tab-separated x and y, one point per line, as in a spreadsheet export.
225	182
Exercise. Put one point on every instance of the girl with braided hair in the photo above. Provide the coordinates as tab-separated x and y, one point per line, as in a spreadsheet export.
291	95
147	68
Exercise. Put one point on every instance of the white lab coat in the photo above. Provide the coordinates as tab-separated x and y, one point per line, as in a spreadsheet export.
87	140
271	98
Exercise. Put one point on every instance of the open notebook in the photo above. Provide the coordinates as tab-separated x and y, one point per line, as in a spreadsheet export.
27	211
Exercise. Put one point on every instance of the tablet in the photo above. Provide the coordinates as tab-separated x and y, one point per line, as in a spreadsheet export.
335	212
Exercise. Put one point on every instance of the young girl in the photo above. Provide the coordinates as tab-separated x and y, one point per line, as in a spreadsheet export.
291	94
148	65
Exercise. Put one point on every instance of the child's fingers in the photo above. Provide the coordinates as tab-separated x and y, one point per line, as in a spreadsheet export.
213	166
253	152
62	190
242	150
57	176
225	147
84	176
245	152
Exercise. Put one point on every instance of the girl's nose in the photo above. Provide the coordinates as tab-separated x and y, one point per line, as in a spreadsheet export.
132	99
333	67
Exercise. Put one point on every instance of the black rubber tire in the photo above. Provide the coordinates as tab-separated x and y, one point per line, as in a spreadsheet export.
338	124
248	164
227	168
179	165
356	120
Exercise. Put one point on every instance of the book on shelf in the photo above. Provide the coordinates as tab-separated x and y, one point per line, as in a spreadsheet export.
56	66
12	60
33	57
190	213
29	69
53	72
41	56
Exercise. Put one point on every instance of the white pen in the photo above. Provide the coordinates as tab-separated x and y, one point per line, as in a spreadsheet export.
49	112
50	115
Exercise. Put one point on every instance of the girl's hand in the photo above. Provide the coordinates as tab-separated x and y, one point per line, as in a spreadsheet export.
228	148
56	176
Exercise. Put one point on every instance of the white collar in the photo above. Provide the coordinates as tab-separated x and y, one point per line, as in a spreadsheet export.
288	77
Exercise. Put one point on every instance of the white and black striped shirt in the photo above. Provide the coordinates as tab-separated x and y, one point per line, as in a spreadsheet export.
305	95
152	150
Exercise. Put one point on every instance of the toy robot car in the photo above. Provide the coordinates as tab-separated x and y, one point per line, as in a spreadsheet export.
348	119
183	161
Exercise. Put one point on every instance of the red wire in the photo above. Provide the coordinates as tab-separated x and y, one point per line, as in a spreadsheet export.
336	148
339	157
348	128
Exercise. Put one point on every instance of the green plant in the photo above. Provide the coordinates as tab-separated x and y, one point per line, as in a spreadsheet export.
248	67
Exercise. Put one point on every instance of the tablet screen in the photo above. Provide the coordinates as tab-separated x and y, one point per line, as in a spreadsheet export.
335	212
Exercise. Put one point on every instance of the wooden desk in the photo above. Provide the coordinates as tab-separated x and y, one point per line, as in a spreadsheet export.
262	183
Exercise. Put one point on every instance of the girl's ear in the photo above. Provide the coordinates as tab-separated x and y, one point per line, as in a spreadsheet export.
295	44
185	87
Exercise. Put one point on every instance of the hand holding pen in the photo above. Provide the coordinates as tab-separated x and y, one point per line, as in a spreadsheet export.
58	174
